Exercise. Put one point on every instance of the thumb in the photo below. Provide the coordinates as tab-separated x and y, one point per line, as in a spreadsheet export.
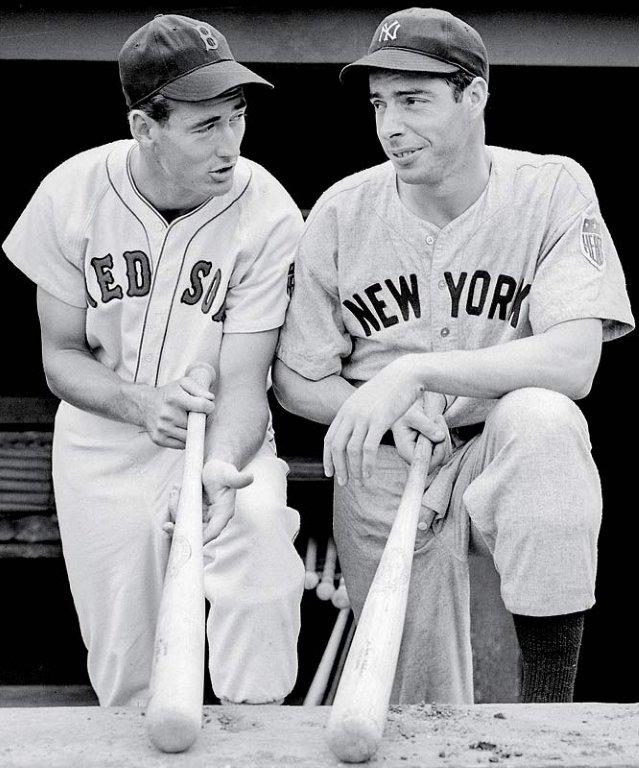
237	479
430	427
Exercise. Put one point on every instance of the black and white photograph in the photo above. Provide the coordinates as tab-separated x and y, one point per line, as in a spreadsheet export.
317	423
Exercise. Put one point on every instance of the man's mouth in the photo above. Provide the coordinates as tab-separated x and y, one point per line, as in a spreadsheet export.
222	171
402	154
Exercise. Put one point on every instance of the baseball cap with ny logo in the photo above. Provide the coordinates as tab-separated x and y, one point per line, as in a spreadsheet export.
424	40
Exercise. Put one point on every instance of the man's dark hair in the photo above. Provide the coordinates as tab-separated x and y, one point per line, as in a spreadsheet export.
157	107
458	81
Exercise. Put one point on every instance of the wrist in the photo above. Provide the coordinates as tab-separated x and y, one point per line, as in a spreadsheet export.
215	458
414	371
135	398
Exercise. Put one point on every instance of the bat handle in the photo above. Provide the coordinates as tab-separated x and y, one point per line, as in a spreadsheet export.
202	373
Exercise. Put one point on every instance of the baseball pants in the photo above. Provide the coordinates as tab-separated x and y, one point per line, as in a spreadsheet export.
112	486
525	491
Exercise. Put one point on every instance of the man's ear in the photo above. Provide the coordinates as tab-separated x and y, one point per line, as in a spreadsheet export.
142	127
477	93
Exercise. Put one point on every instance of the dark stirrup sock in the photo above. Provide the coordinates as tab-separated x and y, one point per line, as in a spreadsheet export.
549	648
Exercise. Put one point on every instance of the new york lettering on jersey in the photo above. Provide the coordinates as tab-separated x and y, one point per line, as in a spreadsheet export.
399	299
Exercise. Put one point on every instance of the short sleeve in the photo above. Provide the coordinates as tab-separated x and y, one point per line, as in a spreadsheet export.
579	274
40	246
313	340
257	297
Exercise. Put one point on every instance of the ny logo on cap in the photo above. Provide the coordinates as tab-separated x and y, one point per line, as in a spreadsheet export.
206	33
389	31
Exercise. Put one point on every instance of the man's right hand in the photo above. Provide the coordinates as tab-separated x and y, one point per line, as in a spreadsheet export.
164	410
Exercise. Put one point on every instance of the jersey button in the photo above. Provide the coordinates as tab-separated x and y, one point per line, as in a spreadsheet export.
444	332
430	239
441	285
422	526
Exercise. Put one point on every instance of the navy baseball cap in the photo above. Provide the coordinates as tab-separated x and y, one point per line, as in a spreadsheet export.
181	58
423	40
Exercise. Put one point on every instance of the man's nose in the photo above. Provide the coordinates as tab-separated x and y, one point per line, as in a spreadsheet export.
391	123
228	144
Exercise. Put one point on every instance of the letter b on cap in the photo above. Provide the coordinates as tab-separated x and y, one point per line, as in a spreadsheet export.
206	33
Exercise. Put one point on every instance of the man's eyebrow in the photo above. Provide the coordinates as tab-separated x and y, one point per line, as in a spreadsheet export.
240	104
422	91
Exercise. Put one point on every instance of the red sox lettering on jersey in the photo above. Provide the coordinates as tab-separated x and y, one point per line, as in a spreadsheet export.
138	282
158	295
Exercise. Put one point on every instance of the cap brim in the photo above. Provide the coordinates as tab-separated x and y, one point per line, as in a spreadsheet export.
212	80
398	59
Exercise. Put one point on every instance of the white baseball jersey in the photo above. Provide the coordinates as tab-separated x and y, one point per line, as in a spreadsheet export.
374	281
158	296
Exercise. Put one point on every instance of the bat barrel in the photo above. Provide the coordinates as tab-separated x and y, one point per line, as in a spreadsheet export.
172	729
320	681
357	738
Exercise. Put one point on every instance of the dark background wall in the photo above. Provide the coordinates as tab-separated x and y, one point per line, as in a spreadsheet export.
309	133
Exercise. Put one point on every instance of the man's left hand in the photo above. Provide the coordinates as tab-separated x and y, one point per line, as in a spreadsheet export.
221	480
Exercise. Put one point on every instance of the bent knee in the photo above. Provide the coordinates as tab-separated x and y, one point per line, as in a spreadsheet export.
534	412
266	521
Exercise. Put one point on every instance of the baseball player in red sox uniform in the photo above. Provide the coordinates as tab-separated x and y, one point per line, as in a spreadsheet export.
150	254
486	275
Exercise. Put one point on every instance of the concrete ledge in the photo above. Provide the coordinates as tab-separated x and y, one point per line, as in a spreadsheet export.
425	736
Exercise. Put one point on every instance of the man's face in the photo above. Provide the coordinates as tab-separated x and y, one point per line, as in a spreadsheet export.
421	127
198	146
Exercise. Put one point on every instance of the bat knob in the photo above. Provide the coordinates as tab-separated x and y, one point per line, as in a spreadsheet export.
325	590
311	580
340	598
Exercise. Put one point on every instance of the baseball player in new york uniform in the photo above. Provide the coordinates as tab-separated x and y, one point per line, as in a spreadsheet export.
150	254
486	275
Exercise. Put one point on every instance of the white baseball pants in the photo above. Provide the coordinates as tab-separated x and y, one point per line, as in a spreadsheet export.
112	486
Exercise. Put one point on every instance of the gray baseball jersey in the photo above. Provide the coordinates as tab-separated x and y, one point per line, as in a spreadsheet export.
374	281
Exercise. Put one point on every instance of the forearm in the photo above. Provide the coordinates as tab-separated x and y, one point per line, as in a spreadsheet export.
551	361
238	426
314	400
74	375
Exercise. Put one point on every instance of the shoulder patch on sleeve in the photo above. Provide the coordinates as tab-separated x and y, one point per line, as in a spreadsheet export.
591	242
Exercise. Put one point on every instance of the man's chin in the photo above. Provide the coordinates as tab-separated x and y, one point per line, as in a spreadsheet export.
412	175
220	186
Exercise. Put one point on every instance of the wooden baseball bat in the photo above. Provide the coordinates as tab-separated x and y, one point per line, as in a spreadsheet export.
326	587
340	596
174	714
339	666
320	680
311	578
357	718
